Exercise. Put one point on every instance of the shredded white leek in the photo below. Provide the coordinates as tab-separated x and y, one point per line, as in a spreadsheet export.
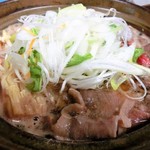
97	51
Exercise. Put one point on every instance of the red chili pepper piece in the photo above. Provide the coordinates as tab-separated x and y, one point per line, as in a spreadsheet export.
144	60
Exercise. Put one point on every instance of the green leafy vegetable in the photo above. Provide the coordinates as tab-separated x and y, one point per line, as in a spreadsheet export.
104	42
34	58
68	44
21	50
93	39
35	85
117	80
77	59
137	53
115	28
35	31
35	71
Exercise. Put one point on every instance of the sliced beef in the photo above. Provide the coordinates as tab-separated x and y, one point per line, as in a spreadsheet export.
64	123
140	112
124	120
83	127
75	124
61	129
103	113
102	103
76	95
137	116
